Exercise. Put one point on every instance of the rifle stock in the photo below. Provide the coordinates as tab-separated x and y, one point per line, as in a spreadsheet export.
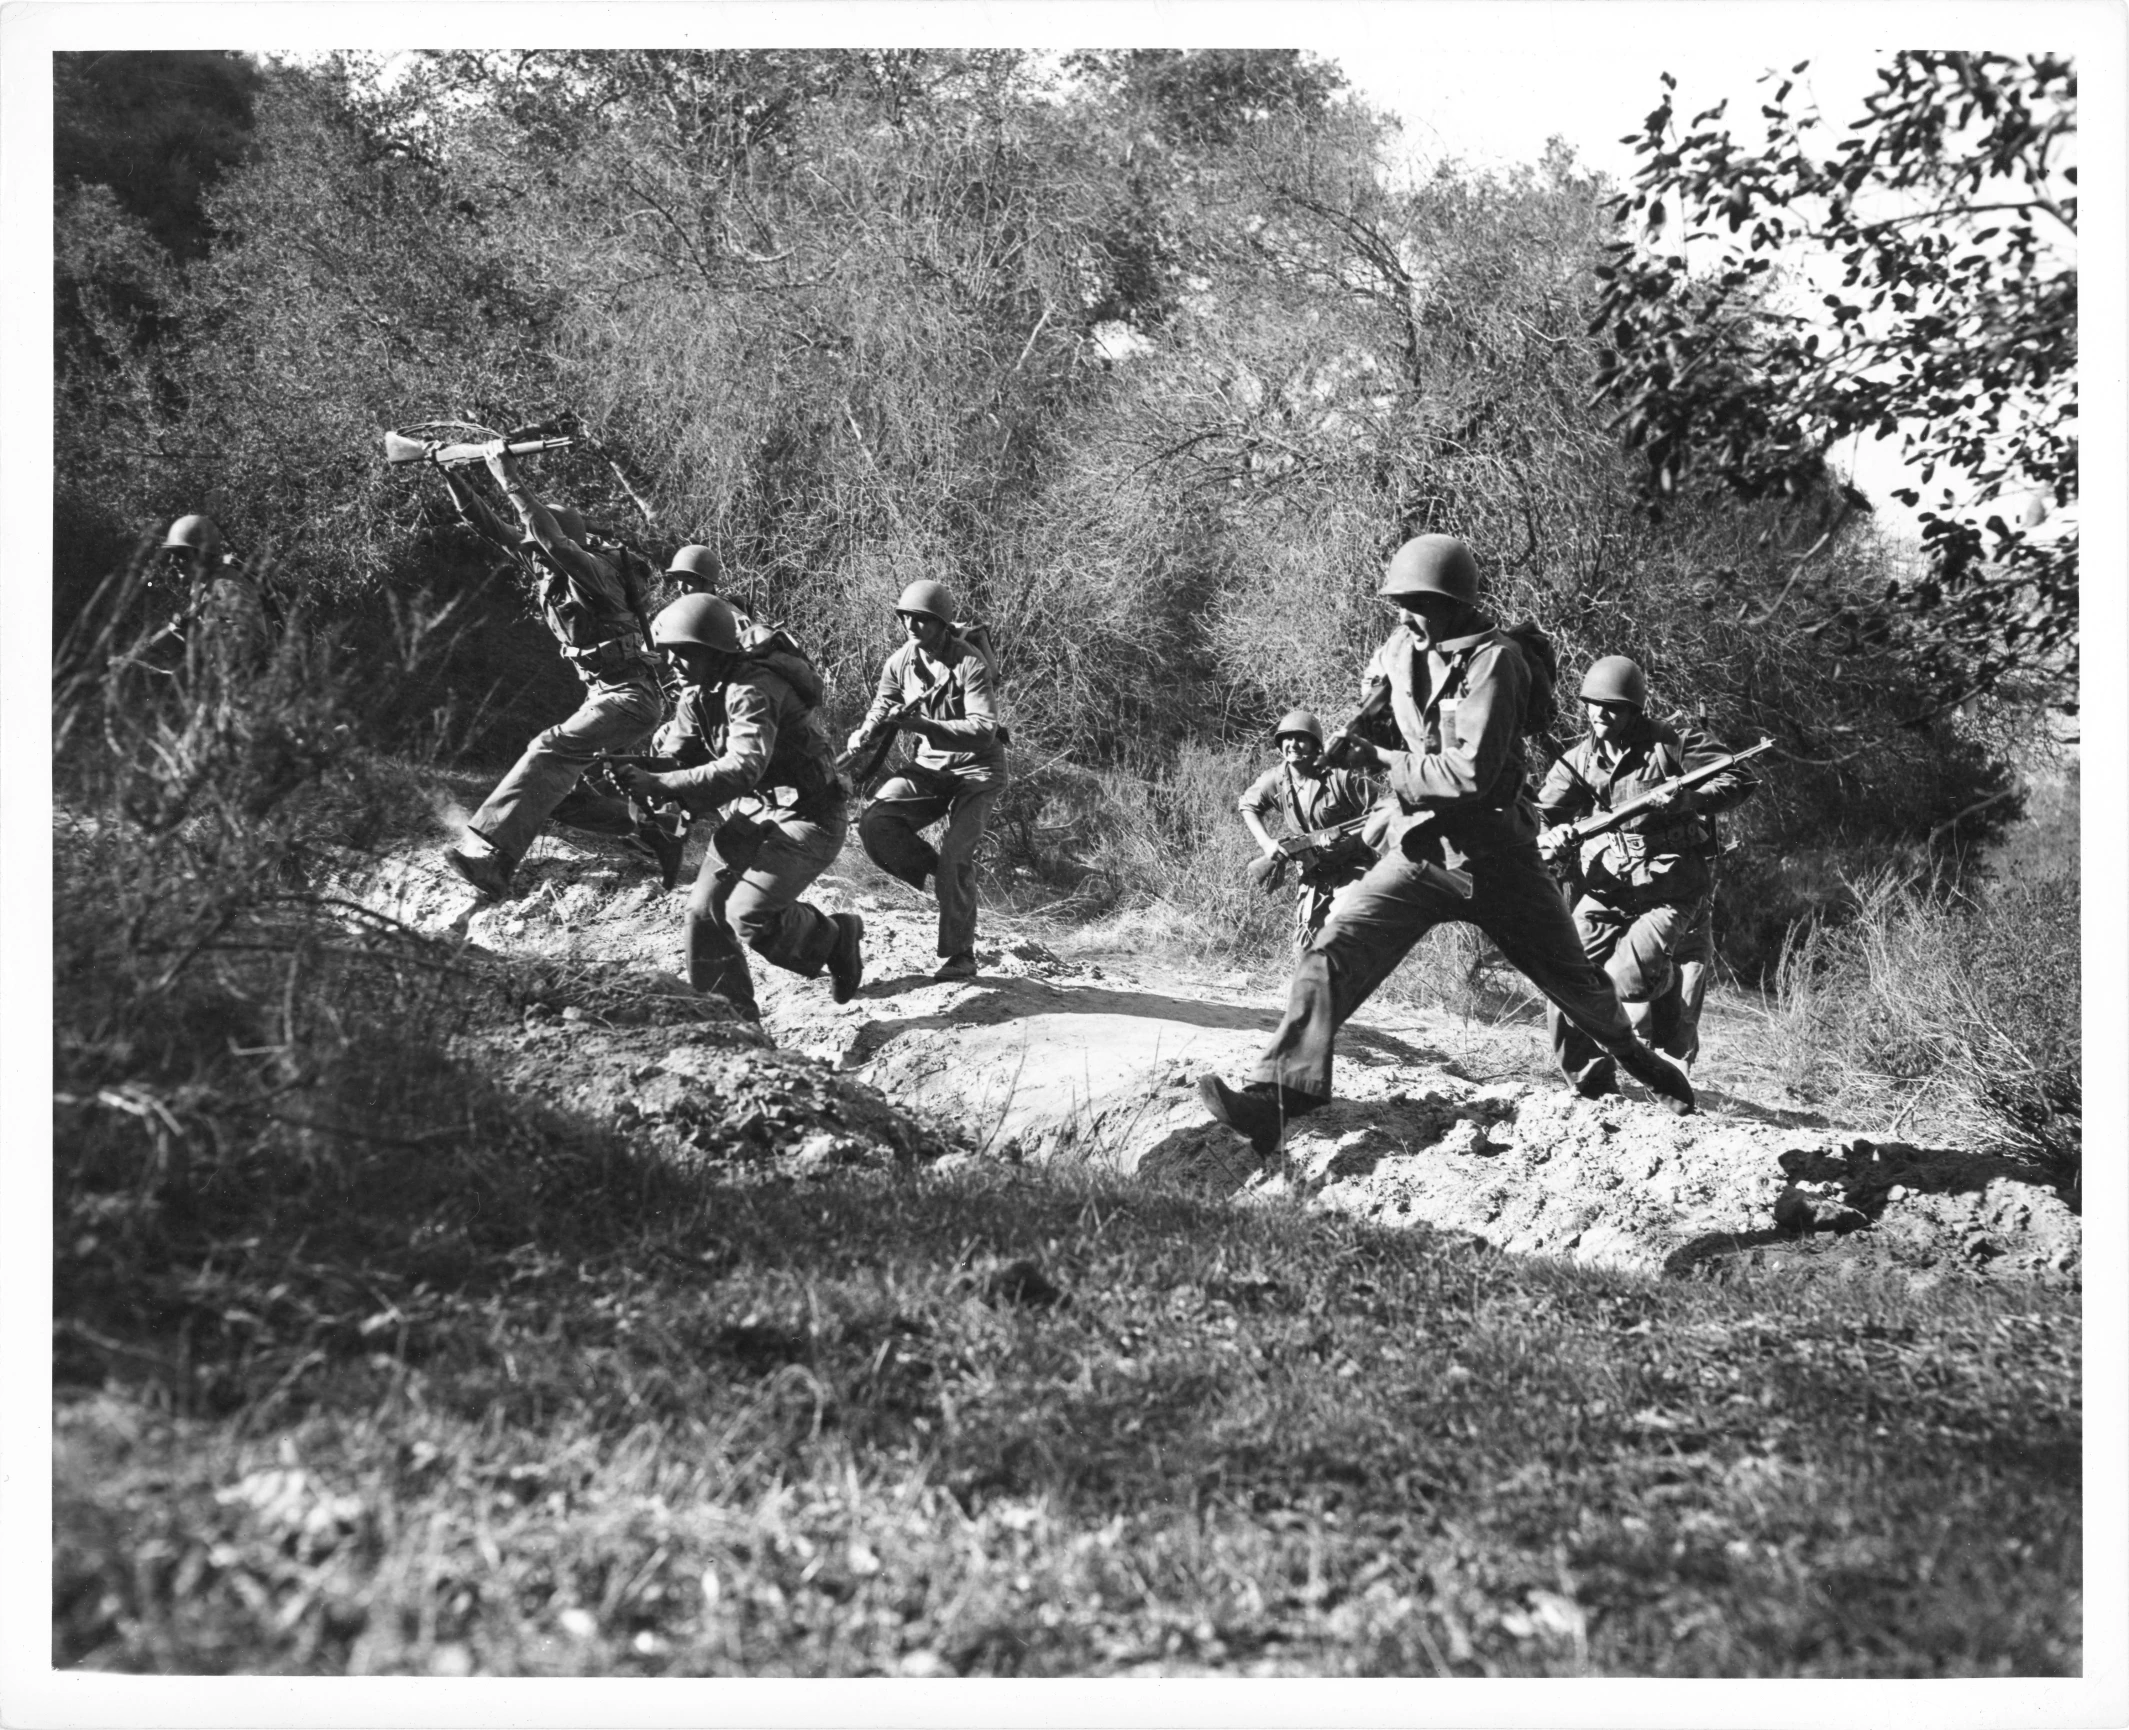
399	449
1603	823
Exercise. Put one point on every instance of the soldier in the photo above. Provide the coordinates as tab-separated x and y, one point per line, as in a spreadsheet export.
769	739
222	606
584	598
1458	688
1645	888
1314	796
937	686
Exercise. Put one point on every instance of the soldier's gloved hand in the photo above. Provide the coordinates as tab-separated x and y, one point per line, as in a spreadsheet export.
638	782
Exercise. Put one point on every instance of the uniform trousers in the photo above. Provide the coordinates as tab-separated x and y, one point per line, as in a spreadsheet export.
747	893
916	798
1638	948
614	716
1374	926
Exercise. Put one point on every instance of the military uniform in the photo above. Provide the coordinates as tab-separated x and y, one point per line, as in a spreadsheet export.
959	780
585	603
1459	783
758	733
1646	888
1315	799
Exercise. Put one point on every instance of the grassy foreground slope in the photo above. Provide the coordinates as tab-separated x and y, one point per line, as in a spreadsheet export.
730	1421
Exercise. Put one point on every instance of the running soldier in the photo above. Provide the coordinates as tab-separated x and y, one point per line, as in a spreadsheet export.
749	723
937	687
583	596
1459	690
1645	890
1314	796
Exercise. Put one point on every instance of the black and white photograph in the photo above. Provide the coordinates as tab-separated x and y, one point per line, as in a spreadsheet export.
1093	849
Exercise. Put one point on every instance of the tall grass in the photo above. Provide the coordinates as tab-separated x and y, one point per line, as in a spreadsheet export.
1947	1007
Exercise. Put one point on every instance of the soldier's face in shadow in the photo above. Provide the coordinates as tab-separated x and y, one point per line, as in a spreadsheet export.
928	633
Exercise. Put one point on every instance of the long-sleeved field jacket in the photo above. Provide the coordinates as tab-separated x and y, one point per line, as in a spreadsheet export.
953	690
1459	780
1660	855
768	737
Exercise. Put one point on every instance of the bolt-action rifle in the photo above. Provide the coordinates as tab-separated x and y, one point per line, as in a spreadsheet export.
1655	799
401	448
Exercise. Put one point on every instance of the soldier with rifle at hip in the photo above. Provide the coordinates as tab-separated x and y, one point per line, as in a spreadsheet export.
1627	810
750	724
1326	810
938	688
584	597
1459	694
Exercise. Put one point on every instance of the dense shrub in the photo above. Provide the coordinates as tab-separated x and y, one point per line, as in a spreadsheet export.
1971	1001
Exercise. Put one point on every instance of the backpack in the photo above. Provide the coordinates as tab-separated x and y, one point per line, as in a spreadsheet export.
775	648
1543	708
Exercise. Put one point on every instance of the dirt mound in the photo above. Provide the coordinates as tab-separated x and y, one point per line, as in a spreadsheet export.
1048	1056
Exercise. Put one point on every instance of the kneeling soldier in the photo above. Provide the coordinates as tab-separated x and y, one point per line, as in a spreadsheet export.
1314	796
1459	688
1645	888
936	686
768	740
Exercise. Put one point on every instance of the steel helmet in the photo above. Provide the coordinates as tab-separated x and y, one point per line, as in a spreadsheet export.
701	620
1615	679
1432	565
928	598
195	534
1299	721
697	562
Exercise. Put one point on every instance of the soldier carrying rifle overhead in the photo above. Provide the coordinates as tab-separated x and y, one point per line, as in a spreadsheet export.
583	596
1462	846
1645	886
1317	798
938	688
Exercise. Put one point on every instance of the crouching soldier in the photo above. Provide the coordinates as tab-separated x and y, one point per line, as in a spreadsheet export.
766	739
1645	890
223	612
1313	796
583	596
1460	691
937	687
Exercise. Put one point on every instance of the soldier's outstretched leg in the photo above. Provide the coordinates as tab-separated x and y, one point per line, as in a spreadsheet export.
611	718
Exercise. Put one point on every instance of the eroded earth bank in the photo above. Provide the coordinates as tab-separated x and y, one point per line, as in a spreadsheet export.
1061	1052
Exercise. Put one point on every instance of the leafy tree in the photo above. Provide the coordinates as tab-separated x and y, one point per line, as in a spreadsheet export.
1950	211
159	129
